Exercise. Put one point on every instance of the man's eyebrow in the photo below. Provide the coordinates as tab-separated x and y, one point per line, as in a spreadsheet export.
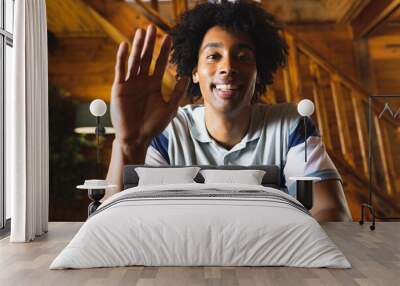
211	45
245	46
219	45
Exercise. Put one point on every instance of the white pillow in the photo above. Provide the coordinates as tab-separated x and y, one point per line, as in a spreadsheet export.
248	177
163	176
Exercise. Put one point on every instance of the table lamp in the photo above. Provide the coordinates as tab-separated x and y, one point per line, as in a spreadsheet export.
97	187
98	108
304	185
85	123
305	108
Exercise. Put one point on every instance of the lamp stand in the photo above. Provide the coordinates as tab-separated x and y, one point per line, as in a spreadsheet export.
95	195
305	139
304	185
100	131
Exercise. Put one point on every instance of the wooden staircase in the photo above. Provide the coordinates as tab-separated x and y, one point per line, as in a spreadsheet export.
342	117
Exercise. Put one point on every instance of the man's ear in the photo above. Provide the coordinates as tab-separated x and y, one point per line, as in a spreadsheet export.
195	76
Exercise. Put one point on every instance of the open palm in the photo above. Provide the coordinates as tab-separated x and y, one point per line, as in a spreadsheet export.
138	110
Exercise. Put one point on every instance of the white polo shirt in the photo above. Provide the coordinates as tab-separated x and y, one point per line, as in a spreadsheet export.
275	137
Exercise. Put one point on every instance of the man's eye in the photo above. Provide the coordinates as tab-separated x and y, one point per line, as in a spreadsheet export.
244	57
212	57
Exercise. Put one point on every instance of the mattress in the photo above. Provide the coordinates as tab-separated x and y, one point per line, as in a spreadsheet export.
201	225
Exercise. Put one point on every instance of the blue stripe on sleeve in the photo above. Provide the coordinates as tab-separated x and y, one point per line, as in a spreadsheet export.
160	143
297	135
327	174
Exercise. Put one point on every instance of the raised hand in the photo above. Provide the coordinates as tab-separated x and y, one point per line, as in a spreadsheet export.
138	110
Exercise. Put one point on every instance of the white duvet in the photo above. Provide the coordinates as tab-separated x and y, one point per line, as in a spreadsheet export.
206	230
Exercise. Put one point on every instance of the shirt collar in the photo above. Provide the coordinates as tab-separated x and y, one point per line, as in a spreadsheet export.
199	131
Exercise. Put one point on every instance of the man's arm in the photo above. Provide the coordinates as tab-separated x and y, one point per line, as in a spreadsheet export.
330	202
138	109
123	154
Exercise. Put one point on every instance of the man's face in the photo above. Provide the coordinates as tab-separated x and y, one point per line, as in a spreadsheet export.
226	70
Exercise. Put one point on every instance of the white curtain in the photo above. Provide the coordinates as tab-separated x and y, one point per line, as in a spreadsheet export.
27	153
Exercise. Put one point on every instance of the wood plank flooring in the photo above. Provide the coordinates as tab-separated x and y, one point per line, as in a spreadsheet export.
374	255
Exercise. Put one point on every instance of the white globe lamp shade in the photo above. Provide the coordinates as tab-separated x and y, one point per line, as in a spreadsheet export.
305	107
98	107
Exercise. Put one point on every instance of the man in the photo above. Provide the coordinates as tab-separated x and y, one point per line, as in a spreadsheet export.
227	53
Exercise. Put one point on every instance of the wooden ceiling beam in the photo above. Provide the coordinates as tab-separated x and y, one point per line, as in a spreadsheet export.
179	7
153	16
352	10
70	16
108	28
372	16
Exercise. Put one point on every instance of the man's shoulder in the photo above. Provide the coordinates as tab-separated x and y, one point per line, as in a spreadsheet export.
189	114
186	116
190	110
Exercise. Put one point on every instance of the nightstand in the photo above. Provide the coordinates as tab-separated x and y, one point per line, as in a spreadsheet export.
304	190
96	191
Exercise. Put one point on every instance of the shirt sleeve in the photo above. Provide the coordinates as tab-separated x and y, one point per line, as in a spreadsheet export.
318	164
157	152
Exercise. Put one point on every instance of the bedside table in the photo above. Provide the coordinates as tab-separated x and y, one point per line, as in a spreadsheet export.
96	191
304	190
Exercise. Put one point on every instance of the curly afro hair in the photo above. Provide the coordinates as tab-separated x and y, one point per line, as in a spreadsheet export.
239	16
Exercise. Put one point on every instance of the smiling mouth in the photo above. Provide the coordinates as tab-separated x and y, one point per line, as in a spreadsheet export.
225	91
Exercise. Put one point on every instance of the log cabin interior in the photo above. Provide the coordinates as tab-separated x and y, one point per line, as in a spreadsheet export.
344	55
340	53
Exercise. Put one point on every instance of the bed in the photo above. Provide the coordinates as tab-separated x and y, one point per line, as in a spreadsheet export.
201	224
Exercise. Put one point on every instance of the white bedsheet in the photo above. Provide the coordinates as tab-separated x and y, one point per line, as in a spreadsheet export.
200	231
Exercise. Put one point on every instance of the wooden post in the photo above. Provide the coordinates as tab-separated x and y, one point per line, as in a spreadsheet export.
321	111
388	151
179	6
361	126
294	69
287	87
341	118
384	156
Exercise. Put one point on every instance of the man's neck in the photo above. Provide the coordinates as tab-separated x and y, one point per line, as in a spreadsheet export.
227	130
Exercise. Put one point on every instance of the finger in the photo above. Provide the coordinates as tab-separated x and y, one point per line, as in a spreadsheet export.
120	63
180	90
147	52
134	57
162	59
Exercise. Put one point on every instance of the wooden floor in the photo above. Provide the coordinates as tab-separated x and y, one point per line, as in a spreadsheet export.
375	256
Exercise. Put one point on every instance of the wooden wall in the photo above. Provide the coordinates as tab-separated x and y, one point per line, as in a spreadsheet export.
332	41
384	53
84	56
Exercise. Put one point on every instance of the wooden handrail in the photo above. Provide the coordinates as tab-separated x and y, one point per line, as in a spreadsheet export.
383	154
341	119
347	81
320	104
321	61
362	132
